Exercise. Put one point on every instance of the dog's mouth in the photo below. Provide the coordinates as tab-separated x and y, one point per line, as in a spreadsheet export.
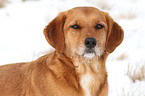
89	53
89	50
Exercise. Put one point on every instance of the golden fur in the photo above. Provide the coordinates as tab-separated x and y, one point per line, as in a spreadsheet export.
68	71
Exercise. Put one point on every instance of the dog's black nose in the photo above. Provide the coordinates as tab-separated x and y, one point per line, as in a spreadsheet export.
90	42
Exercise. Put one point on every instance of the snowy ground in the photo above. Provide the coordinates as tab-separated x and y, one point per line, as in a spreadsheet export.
22	40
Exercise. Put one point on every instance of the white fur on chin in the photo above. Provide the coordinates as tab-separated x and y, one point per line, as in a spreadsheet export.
89	55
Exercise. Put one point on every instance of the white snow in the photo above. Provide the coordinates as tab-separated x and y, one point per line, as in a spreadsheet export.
22	39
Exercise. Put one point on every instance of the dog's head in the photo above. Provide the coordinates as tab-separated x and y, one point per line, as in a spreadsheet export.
84	31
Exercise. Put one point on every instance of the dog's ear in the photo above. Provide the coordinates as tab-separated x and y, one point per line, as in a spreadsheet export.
115	35
54	32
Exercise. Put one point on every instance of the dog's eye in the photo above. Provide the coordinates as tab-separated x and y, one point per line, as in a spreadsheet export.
99	26
75	26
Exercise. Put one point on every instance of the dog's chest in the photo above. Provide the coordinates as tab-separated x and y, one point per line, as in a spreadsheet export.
88	84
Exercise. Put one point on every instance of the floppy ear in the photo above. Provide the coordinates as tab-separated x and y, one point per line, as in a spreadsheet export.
115	35
54	33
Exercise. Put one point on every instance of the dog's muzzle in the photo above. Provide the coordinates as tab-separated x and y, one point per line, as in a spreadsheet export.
90	44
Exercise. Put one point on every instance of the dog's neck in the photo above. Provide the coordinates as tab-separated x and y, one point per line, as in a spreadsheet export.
92	74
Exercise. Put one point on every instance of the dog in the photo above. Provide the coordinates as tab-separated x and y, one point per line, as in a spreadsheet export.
82	37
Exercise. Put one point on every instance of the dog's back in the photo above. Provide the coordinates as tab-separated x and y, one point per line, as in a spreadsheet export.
11	79
18	79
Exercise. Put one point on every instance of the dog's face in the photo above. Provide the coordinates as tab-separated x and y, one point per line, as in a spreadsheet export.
84	31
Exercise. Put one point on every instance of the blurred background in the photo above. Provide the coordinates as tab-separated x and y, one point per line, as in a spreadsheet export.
22	40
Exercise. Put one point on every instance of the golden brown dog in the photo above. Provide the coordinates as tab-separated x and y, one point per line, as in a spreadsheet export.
83	37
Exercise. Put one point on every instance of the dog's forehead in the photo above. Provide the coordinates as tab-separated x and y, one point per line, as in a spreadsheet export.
86	12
